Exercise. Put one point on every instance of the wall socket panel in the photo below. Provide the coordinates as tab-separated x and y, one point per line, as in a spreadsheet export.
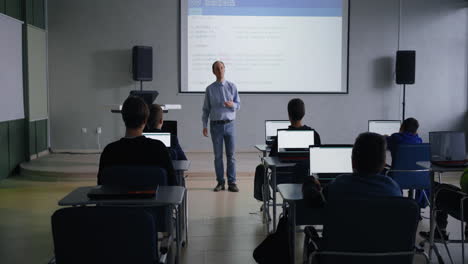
84	130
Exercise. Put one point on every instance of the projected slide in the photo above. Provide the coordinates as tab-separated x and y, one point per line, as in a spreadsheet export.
268	46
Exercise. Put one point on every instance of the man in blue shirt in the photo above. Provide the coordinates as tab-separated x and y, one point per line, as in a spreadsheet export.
368	158
220	106
408	135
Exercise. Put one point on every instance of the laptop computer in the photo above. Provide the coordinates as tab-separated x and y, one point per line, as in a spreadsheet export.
384	127
448	148
295	143
102	192
330	160
271	129
164	137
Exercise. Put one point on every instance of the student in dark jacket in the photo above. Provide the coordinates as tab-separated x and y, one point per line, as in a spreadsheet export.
296	112
155	123
135	149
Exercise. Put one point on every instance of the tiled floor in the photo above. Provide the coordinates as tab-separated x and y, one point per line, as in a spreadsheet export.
224	227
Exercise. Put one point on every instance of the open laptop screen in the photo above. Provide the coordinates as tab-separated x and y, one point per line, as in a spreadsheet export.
272	126
163	137
447	146
295	139
384	127
330	159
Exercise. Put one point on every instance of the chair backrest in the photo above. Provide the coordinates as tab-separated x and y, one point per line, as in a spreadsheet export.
405	158
380	225
104	235
134	176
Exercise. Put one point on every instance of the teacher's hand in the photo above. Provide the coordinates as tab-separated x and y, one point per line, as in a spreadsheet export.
205	132
229	104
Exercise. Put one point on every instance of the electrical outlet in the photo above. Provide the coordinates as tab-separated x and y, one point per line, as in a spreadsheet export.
98	130
84	130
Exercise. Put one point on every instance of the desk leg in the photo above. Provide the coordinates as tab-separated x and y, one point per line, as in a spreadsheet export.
266	197
432	224
292	231
273	182
178	233
186	218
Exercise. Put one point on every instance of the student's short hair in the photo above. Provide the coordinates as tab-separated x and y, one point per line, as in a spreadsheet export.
369	153
296	109
410	125
134	112
214	64
155	115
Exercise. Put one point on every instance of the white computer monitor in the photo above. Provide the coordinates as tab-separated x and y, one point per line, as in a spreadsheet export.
161	136
330	159
290	140
384	127
272	126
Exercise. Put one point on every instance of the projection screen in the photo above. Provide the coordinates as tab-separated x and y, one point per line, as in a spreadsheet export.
267	46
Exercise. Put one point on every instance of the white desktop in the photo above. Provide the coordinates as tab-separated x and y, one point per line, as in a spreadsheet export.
335	159
384	127
163	137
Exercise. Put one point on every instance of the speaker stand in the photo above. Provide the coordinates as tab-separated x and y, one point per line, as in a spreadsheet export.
141	85
404	103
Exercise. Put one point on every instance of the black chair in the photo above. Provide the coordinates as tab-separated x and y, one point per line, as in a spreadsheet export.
380	230
134	176
117	235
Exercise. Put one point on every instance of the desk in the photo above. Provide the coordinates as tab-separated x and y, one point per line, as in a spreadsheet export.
271	163
439	170
263	148
292	194
165	196
180	166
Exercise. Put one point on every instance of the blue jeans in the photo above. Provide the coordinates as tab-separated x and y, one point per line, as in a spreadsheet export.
226	133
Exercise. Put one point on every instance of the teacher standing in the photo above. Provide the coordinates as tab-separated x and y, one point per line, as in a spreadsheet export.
220	106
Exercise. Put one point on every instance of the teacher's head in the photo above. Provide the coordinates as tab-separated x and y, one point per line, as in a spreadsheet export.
218	70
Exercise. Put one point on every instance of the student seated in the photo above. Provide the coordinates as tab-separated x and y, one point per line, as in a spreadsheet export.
408	135
134	148
368	160
296	112
155	123
448	203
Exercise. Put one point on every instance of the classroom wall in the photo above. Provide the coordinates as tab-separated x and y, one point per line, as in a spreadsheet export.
90	62
19	139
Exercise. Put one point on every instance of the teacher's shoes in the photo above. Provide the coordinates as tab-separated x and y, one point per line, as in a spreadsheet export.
232	187
219	187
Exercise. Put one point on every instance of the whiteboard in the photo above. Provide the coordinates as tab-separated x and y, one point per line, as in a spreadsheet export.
11	69
37	73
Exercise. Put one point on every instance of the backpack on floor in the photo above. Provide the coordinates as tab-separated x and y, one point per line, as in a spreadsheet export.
258	182
275	247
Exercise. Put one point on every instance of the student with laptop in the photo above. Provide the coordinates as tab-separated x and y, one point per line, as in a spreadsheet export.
155	123
134	148
368	160
296	112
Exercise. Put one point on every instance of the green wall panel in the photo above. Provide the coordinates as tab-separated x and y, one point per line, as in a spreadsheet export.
41	135
13	8
32	138
29	12
2	6
4	166
39	13
16	143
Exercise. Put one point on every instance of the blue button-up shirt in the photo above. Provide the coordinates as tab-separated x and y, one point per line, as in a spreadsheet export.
216	94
